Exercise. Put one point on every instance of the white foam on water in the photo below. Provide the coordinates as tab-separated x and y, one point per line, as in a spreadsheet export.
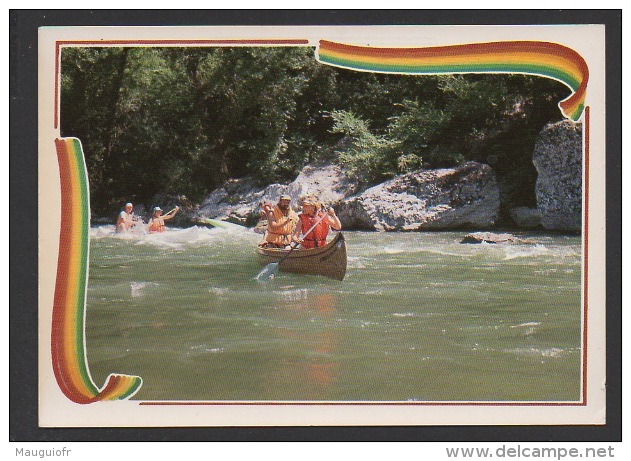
102	232
442	249
159	243
356	262
109	231
365	324
439	251
504	252
177	238
138	288
172	237
294	295
524	251
527	324
534	351
219	291
206	348
392	250
528	328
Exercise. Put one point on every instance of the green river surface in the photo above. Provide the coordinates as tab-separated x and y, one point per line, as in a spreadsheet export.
419	317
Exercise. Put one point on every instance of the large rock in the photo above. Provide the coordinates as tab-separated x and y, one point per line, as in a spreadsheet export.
327	182
239	200
558	156
526	218
489	237
465	196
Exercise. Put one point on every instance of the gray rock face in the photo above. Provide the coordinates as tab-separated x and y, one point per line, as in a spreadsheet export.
526	218
240	200
558	159
467	195
327	182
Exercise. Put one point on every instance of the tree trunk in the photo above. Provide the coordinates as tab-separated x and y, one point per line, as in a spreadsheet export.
112	106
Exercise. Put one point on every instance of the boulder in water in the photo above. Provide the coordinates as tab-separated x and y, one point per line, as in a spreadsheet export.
488	237
526	218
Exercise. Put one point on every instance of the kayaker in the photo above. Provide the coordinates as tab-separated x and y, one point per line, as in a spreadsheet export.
311	213
281	222
156	223
126	219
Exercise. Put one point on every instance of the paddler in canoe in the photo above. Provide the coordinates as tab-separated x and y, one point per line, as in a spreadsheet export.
281	223
156	223
127	220
315	256
311	214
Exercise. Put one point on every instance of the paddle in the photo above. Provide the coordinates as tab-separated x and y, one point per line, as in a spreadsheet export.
176	208
269	271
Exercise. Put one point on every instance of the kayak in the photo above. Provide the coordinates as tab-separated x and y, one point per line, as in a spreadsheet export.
329	260
221	224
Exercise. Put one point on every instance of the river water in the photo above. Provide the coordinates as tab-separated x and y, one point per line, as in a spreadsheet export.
419	317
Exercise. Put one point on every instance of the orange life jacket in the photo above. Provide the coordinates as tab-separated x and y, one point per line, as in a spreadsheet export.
282	235
317	237
156	225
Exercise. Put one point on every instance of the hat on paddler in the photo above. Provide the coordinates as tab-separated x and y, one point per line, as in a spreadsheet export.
308	200
285	197
157	208
128	204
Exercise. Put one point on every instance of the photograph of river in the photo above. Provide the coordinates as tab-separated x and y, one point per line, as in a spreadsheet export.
419	316
457	175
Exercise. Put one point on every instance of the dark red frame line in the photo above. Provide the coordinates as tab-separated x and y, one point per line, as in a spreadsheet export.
586	134
305	42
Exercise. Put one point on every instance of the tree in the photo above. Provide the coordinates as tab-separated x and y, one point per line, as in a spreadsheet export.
182	120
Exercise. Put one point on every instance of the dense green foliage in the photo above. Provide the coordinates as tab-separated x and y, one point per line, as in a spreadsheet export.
183	120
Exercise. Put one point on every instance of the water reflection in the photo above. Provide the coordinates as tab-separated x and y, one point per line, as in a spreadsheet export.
324	370
314	368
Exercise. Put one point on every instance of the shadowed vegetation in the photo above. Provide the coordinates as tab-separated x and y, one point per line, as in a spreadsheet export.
183	120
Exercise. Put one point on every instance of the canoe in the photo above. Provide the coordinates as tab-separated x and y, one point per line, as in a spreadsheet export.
221	224
329	260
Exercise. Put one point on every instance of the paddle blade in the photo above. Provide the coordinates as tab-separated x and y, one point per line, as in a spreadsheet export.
267	273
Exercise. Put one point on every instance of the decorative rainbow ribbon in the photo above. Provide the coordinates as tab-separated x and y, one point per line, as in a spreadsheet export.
545	59
68	334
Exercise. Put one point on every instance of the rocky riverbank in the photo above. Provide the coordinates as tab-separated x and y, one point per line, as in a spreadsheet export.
466	196
463	197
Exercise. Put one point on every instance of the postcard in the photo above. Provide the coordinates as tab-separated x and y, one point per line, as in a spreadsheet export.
321	226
